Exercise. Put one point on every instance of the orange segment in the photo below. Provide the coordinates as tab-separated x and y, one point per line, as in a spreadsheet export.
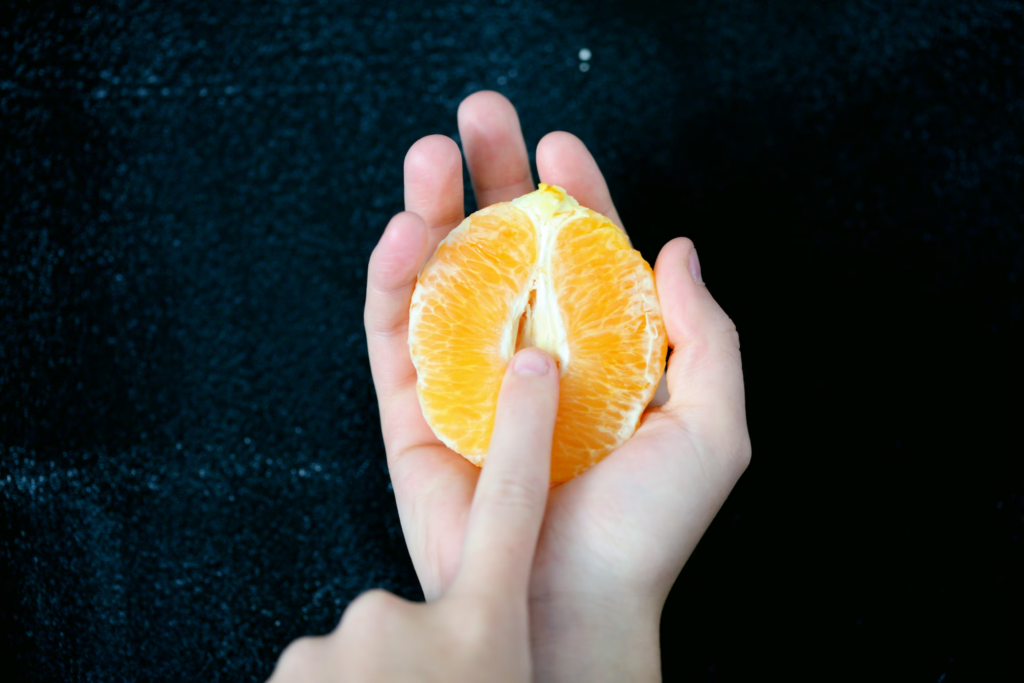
538	271
616	342
466	296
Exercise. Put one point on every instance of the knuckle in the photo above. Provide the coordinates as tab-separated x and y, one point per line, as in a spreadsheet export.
733	336
694	350
370	316
516	493
386	273
732	441
726	328
368	613
742	453
298	660
373	601
726	436
733	447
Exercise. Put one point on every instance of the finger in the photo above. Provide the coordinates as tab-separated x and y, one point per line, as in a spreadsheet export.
563	160
302	660
494	147
508	505
391	276
379	636
705	375
433	186
433	486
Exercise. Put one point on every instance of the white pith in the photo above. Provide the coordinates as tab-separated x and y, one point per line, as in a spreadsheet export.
545	329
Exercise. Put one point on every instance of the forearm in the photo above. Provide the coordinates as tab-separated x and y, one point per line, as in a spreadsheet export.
586	640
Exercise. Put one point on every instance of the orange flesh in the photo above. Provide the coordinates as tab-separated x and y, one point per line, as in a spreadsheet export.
459	337
608	342
477	302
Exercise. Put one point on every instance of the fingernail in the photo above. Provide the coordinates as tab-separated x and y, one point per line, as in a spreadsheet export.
530	362
695	267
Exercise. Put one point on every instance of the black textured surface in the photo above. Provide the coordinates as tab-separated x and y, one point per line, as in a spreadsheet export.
192	472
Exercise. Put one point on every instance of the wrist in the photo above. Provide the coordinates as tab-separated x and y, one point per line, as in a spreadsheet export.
590	638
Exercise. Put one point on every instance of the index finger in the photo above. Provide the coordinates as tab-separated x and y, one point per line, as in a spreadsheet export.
508	506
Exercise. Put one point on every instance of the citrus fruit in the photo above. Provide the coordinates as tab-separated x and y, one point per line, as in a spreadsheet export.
540	271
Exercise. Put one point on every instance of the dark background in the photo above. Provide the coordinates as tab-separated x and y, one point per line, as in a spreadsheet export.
192	472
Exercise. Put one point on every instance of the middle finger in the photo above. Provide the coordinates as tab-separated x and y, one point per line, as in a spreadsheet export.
494	147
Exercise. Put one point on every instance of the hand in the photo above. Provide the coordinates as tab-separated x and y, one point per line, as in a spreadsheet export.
614	538
479	630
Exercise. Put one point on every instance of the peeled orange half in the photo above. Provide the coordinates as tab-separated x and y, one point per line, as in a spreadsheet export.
541	271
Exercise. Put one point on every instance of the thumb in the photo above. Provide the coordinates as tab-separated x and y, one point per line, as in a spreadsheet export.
705	375
508	506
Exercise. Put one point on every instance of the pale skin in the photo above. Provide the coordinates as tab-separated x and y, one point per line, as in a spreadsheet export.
522	583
